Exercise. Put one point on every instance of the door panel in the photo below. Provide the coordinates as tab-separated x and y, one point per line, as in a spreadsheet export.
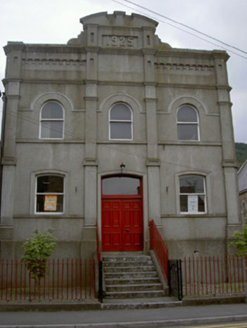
122	225
111	225
132	225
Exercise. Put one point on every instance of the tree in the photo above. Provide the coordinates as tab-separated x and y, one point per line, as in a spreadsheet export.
241	242
37	251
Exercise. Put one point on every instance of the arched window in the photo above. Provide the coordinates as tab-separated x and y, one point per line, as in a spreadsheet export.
121	185
120	121
49	194
187	123
192	194
51	121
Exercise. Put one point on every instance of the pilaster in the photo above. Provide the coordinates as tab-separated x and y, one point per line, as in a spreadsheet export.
90	161
153	170
91	120
13	51
9	150
88	243
153	164
151	118
228	146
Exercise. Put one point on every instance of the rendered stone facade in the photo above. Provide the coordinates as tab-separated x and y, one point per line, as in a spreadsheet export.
171	129
242	186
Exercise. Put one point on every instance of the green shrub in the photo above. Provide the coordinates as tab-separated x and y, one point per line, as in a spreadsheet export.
37	251
241	242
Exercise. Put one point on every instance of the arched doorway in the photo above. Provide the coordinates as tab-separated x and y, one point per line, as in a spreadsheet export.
122	213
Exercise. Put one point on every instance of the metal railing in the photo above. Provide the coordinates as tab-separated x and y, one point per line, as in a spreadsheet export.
98	243
214	275
66	279
100	267
175	279
158	246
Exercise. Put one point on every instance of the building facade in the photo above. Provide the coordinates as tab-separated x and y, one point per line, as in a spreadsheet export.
242	188
117	128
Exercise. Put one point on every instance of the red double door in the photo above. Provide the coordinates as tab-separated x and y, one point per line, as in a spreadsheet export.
122	223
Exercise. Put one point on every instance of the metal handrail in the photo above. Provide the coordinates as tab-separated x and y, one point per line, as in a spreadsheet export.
100	266
98	243
158	246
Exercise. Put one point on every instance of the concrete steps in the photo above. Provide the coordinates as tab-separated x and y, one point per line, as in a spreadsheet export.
135	281
130	287
131	277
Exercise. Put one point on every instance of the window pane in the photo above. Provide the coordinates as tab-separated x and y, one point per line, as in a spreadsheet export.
50	183
52	129
120	112
57	205
187	132
52	110
187	114
121	186
191	184
120	130
201	203
183	203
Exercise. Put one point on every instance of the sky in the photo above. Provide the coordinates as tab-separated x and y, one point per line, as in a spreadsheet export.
57	21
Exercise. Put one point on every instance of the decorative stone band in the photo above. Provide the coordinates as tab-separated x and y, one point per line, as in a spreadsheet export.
53	62
182	67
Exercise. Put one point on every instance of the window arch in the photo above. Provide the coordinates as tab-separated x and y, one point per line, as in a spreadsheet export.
192	194
51	121
49	194
120	122
187	123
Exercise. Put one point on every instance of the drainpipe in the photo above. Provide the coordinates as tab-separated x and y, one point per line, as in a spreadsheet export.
4	98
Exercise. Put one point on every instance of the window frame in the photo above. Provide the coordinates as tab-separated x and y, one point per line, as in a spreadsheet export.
204	193
42	120
48	193
106	179
196	123
121	121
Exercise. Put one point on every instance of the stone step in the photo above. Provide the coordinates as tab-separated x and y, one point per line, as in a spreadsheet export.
131	274
127	264
129	269
131	280
142	258
133	287
135	294
140	303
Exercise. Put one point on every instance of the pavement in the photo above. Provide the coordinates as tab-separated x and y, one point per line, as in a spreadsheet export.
190	312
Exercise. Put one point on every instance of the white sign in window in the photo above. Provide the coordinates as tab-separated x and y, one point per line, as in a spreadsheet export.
192	204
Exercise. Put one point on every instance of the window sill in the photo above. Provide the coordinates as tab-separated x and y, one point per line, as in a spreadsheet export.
50	213
197	216
193	214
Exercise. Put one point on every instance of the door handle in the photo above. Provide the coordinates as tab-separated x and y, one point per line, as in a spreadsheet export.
127	230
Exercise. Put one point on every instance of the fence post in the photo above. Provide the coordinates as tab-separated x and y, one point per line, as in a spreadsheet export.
180	278
175	278
100	294
170	277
